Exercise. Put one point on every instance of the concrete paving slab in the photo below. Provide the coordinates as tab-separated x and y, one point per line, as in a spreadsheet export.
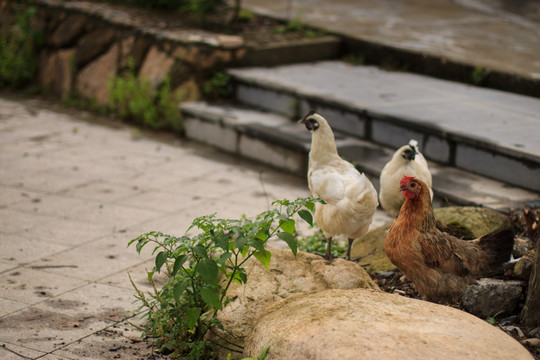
30	286
103	192
13	221
108	344
109	255
138	274
114	216
17	249
15	352
10	306
97	300
64	231
46	330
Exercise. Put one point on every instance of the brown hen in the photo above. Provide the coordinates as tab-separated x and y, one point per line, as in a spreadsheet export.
440	265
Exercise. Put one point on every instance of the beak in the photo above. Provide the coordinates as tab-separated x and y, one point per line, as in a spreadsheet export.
303	120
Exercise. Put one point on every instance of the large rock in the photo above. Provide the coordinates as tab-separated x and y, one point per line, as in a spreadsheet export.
56	73
155	67
370	250
287	275
478	221
369	324
93	44
66	34
491	296
466	222
93	79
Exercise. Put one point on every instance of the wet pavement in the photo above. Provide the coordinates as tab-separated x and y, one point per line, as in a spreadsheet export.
73	191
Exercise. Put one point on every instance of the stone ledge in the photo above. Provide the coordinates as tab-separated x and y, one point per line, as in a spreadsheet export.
88	43
284	144
273	91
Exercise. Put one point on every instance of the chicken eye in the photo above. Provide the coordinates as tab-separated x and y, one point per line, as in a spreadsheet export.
413	185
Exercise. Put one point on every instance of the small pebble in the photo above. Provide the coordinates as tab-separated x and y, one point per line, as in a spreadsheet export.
535	331
532	342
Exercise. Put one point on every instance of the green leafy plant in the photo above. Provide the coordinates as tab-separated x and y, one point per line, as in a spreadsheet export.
218	86
262	356
316	243
354	59
134	100
296	25
479	75
18	48
200	269
203	8
245	14
493	319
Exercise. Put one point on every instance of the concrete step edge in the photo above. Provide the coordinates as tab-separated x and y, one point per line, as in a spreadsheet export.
283	144
443	146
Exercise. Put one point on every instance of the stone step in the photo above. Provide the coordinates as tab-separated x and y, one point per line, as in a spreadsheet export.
488	132
279	142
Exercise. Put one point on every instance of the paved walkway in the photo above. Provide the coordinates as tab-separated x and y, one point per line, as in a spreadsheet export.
73	192
501	35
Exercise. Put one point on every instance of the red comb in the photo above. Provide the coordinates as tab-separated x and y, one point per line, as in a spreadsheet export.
405	180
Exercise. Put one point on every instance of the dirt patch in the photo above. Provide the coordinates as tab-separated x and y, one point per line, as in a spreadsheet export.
45	319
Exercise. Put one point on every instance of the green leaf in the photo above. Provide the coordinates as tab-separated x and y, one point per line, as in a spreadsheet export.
224	257
192	315
179	289
161	258
208	270
222	241
240	276
241	242
264	352
288	226
211	297
200	251
244	251
178	263
262	236
306	215
257	244
264	257
310	205
290	240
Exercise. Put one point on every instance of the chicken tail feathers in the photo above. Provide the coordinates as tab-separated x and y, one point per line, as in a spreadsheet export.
496	247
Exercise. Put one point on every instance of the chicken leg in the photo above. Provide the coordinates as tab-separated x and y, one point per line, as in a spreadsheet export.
349	247
328	255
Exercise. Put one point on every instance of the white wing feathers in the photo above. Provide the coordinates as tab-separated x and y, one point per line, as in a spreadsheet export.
350	197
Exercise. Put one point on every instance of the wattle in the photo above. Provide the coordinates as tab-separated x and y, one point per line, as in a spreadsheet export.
409	195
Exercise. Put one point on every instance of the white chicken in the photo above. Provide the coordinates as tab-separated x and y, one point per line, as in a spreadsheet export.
351	199
406	161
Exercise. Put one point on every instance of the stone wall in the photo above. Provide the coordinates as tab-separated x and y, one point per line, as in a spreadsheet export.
86	44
